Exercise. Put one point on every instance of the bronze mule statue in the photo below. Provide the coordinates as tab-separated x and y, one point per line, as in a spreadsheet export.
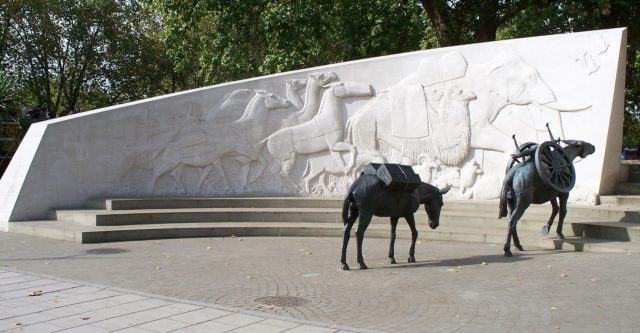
524	185
367	197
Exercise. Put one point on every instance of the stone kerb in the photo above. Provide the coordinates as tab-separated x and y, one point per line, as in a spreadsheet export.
449	113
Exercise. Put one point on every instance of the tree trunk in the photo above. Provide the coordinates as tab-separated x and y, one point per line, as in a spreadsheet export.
438	17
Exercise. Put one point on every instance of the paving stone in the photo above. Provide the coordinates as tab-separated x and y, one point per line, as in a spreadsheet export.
164	325
209	327
239	319
201	315
259	328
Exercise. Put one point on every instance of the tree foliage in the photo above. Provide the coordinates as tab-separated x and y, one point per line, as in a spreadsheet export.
217	41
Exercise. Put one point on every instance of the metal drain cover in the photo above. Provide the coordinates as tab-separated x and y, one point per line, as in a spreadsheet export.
283	301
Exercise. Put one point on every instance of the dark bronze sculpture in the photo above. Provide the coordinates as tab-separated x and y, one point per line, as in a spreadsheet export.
368	196
545	173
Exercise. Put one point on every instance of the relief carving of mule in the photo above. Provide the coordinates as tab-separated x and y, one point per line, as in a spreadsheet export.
366	197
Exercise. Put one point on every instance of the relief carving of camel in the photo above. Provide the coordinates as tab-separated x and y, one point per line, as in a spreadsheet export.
446	137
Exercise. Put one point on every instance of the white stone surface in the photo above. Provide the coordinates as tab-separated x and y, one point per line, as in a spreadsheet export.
448	112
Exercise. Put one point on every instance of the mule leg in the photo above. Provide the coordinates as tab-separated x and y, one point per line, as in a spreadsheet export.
520	207
414	236
554	212
563	212
392	243
365	219
346	234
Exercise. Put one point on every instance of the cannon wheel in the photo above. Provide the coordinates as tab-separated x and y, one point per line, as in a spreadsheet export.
554	167
522	147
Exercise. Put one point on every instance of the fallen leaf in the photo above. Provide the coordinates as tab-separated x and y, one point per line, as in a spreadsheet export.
56	301
563	275
594	280
553	308
85	318
484	263
628	253
17	323
209	248
557	327
232	236
36	293
46	263
395	272
458	316
157	242
158	268
549	267
250	277
240	239
419	242
519	278
308	253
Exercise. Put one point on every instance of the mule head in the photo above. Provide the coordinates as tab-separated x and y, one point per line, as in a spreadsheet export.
431	197
579	148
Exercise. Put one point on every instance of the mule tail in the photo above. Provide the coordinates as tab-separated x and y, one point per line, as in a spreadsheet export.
503	205
349	210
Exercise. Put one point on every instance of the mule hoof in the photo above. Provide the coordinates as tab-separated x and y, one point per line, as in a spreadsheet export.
545	230
560	236
345	267
508	253
363	266
519	247
411	259
392	261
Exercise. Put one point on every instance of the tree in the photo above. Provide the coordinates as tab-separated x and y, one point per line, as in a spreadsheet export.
68	51
219	41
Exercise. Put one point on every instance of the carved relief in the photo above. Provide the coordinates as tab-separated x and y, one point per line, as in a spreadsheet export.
203	145
440	119
323	132
589	59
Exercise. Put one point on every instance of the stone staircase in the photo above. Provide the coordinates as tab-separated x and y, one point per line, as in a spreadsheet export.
613	226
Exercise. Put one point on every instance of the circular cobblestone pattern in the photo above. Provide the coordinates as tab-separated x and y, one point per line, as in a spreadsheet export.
282	301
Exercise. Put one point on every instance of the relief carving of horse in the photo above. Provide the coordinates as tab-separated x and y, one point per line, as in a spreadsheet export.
323	132
210	143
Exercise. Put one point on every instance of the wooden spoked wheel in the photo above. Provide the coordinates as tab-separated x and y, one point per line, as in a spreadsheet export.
554	167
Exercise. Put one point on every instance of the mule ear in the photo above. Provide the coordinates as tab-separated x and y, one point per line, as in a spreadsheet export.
445	190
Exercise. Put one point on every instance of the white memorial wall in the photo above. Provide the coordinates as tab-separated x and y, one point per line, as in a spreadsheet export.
450	113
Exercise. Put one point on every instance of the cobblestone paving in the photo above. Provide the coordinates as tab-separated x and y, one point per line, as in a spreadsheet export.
462	287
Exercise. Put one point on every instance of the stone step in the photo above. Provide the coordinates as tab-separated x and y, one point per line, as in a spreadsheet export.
628	188
490	207
181	203
316	215
621	231
632	201
83	234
